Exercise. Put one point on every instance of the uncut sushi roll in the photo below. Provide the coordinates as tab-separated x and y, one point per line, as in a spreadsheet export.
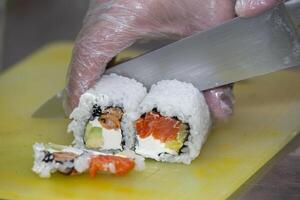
173	122
104	118
51	158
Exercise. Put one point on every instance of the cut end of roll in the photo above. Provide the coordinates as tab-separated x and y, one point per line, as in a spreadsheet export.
173	124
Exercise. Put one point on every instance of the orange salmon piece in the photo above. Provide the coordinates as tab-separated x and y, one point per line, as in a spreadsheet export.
101	163
160	127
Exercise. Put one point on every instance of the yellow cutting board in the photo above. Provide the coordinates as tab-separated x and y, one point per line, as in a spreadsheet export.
267	117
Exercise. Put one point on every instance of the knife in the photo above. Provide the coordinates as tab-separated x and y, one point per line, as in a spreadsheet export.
239	49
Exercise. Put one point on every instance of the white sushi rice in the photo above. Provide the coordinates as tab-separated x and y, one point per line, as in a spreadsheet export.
173	98
112	90
45	169
81	162
40	167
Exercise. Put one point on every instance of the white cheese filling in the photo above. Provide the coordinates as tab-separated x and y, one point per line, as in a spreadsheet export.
112	138
151	147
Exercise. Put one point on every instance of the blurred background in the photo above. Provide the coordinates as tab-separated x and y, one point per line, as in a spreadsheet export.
26	25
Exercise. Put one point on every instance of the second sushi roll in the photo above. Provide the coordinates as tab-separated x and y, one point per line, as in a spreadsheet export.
173	122
103	120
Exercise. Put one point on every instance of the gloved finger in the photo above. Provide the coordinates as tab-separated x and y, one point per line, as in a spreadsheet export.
102	37
249	8
124	21
220	102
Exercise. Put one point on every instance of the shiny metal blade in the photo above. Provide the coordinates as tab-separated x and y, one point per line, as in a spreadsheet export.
52	108
237	50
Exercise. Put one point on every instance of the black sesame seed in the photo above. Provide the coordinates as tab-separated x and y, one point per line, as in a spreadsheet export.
176	118
95	111
123	143
59	161
161	154
180	150
48	157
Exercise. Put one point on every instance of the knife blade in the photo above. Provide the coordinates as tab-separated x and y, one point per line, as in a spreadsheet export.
239	49
52	108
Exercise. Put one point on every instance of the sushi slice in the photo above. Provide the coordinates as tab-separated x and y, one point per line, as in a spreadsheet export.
51	158
104	118
173	124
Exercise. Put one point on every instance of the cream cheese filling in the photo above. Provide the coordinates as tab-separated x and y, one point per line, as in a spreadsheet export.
151	147
112	138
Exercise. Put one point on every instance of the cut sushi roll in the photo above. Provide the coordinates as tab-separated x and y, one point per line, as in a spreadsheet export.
53	158
103	130
161	134
104	118
173	124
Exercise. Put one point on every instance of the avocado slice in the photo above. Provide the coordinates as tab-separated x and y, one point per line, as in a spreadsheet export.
93	136
180	139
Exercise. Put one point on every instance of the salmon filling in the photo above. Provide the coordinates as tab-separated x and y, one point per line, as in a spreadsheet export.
160	127
169	132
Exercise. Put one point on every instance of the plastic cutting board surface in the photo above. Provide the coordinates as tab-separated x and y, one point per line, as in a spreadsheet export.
267	117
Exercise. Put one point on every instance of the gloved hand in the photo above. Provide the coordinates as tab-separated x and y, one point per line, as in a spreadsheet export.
113	25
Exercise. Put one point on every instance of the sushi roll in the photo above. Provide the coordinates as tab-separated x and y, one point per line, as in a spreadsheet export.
51	158
173	122
104	118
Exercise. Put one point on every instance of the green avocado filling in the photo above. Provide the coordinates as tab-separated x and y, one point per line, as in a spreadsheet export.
56	147
93	136
180	139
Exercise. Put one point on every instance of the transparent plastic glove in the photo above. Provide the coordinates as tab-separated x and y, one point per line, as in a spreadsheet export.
113	25
249	8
